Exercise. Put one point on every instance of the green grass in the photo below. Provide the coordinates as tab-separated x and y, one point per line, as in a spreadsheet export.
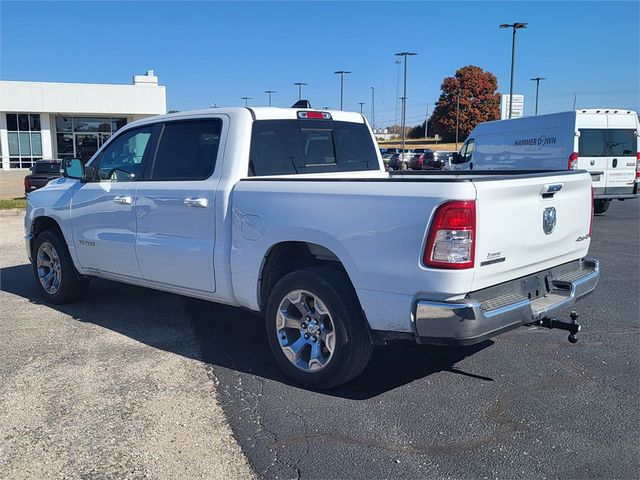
13	203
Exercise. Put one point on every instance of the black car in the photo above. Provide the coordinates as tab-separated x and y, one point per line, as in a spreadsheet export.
42	173
393	162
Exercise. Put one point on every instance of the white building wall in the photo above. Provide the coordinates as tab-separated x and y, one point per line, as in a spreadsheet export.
141	99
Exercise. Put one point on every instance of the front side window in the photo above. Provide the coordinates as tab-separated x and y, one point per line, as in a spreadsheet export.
124	158
284	147
187	150
467	150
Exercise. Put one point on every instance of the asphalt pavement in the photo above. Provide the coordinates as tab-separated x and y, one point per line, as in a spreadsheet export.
527	404
132	383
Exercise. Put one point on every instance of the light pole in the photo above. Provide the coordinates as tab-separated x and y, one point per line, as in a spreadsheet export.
342	73
426	122
270	92
398	62
537	80
246	100
404	96
514	26
300	85
361	104
373	108
457	118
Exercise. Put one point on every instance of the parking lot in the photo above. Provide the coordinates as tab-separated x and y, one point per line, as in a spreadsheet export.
133	383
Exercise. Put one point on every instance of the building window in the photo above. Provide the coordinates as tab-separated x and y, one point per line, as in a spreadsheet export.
25	139
81	137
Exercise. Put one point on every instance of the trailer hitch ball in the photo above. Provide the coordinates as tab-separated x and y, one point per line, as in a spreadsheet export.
573	327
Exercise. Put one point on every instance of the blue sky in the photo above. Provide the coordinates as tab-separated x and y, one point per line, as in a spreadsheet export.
218	52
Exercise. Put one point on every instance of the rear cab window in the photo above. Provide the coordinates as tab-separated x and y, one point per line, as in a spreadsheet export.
46	167
285	147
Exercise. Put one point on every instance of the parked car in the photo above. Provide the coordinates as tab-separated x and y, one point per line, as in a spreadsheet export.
387	157
42	172
259	208
602	141
439	160
395	162
420	158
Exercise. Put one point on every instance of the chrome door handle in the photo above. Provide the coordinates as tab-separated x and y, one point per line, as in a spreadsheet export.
125	200
196	202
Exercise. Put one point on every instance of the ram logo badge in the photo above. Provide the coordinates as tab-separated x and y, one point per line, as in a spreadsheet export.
549	220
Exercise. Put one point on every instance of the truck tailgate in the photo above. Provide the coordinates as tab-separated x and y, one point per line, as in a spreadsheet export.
517	233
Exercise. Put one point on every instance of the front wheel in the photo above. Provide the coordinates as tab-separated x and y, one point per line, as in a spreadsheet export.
54	270
316	329
601	206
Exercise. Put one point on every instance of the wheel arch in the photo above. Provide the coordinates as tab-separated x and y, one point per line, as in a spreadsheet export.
285	257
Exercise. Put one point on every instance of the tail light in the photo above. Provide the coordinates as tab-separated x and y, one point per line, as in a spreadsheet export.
572	164
451	240
591	219
638	167
27	184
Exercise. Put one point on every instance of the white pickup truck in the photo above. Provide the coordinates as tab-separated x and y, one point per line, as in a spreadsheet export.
289	212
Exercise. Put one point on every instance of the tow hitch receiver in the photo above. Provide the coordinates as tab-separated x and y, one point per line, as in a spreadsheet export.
572	327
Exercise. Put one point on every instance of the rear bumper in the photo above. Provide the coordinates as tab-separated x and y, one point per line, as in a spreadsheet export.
495	310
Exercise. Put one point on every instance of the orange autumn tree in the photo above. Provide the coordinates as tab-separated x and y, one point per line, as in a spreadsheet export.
479	102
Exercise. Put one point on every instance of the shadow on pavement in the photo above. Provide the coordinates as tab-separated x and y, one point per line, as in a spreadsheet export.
231	337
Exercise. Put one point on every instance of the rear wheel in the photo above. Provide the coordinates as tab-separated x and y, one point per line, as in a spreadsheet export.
316	329
54	270
601	206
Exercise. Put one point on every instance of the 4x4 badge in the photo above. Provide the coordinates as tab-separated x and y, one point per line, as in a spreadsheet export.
549	220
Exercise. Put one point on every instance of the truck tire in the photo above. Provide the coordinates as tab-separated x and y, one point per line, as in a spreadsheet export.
316	328
53	268
601	206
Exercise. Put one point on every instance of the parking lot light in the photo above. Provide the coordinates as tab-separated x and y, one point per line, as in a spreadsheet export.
514	26
300	85
404	96
269	93
342	73
246	100
361	104
537	80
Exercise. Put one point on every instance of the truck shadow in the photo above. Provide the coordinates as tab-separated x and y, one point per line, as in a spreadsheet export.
229	337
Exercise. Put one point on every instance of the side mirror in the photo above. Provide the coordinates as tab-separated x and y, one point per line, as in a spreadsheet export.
73	168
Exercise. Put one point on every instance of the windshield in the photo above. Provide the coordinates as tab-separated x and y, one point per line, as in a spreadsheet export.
46	167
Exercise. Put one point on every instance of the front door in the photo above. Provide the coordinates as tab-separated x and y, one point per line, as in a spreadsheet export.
102	210
175	206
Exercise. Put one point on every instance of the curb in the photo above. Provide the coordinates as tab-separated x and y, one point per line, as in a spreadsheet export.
12	212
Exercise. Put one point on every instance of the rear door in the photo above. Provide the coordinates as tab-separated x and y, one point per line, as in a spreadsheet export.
175	207
524	227
592	154
621	152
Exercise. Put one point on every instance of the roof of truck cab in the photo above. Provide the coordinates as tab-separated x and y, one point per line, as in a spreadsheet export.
257	113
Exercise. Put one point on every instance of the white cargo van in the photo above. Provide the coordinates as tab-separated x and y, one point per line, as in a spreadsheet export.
602	141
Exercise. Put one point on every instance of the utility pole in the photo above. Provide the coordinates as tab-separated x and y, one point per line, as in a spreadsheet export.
514	26
373	108
404	96
361	104
300	85
342	73
575	99
246	100
270	92
426	122
457	118
537	80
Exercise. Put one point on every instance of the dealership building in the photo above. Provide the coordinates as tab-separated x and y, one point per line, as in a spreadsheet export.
45	120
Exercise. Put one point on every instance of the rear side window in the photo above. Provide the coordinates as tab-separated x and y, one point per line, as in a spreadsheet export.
622	143
592	142
187	150
283	147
